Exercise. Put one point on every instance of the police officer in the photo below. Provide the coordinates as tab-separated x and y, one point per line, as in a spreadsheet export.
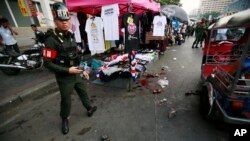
60	55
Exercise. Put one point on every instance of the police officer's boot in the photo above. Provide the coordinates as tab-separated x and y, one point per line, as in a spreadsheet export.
91	110
65	126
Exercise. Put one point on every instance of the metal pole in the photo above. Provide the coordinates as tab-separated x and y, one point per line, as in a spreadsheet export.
37	8
11	13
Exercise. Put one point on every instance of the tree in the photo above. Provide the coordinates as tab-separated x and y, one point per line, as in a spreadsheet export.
172	2
213	13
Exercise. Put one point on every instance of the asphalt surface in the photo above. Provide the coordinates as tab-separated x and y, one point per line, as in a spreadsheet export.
137	115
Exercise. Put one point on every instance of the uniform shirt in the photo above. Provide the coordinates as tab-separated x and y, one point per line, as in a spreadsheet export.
94	29
110	15
53	46
130	22
159	25
8	38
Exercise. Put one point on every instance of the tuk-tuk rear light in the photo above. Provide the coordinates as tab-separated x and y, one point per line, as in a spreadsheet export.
237	105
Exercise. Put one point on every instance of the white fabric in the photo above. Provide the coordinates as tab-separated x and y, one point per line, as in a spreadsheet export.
8	38
113	44
110	15
94	29
75	27
159	25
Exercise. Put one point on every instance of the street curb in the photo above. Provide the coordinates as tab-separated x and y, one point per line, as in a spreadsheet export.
26	93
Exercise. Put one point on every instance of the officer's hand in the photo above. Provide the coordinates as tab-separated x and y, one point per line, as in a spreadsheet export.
75	70
86	75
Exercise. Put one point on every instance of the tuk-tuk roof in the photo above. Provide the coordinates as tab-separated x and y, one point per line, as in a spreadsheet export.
240	19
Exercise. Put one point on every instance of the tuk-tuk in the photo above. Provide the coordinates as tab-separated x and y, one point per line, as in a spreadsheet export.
225	70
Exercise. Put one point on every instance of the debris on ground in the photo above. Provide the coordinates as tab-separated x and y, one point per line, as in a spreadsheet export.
182	67
192	93
173	50
163	101
84	130
163	83
105	138
150	75
172	113
164	67
156	91
175	59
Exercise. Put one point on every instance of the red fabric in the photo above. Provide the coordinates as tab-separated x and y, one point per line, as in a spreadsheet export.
49	53
93	7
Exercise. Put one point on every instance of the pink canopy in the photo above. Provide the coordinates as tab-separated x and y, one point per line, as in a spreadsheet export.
93	7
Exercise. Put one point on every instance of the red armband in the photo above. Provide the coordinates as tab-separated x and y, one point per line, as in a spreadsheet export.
49	53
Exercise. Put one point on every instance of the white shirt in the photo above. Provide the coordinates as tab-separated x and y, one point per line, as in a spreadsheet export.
8	38
110	15
94	29
75	28
159	25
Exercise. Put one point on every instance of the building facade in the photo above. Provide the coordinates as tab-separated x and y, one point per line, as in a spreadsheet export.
10	9
214	5
237	5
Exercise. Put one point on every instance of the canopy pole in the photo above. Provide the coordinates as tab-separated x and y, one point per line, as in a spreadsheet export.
130	7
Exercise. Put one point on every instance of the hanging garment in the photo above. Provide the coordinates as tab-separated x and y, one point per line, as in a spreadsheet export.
110	15
94	29
75	27
159	25
131	24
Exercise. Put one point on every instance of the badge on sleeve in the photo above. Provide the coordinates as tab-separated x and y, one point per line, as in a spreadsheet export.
49	53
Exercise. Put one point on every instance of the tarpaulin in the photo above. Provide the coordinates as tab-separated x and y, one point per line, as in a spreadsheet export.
93	7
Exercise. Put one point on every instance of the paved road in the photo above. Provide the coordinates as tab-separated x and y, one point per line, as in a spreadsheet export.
12	85
127	116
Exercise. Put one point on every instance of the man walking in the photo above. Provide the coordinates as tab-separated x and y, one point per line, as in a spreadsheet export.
61	57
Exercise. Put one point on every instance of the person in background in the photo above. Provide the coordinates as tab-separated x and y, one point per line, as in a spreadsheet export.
38	34
62	58
183	31
7	35
199	34
175	26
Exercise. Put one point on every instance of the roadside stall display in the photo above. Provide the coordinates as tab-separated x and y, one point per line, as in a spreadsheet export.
110	15
94	29
130	22
130	64
159	25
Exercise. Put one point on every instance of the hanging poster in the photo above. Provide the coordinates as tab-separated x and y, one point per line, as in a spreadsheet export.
23	7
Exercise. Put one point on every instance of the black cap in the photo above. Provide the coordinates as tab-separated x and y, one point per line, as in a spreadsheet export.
60	11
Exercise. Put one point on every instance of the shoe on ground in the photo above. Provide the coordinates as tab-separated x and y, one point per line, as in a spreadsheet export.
91	111
65	126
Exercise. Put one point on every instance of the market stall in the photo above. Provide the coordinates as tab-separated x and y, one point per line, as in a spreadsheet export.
132	62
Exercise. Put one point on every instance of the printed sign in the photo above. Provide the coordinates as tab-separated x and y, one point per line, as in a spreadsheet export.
23	7
31	8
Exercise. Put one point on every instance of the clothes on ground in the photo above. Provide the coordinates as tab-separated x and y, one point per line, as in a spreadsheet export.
125	66
159	25
94	29
131	24
110	15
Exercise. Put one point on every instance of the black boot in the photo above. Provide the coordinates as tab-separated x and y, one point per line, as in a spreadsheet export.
91	110
65	126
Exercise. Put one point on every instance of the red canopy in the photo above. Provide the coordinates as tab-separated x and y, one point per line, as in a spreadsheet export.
93	7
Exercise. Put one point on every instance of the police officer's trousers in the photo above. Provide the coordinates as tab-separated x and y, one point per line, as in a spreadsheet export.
66	90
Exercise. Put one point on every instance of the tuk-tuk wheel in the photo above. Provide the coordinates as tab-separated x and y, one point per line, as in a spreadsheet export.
205	105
